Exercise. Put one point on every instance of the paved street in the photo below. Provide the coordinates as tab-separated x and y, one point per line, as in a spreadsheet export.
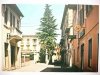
42	67
73	69
32	67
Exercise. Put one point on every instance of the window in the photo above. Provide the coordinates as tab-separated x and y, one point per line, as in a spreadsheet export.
28	47
22	47
82	15
13	21
34	47
10	19
6	16
34	41
27	41
88	9
18	24
68	46
89	52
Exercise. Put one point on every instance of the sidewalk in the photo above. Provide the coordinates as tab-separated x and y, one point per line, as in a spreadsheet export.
42	67
31	67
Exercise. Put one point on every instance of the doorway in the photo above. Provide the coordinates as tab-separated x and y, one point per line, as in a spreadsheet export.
82	56
6	54
12	56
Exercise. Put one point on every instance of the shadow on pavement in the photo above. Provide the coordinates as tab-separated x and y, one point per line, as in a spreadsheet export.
72	69
61	68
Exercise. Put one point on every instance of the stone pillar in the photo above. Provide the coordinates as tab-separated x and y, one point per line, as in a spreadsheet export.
70	58
9	56
19	57
16	61
24	59
46	59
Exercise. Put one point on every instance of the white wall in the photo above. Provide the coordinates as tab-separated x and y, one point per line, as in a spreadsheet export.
3	35
0	40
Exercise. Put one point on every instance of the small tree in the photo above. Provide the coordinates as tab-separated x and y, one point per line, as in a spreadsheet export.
42	56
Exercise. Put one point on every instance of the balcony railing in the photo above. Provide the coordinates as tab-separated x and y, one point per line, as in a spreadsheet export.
15	34
71	36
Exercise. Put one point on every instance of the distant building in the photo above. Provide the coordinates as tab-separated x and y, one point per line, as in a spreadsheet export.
83	43
30	46
10	35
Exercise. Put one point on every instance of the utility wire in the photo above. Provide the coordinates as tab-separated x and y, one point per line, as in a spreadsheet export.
27	26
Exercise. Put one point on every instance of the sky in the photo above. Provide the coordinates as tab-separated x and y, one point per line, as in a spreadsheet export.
34	12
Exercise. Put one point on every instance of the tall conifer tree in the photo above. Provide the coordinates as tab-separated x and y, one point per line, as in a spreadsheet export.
47	30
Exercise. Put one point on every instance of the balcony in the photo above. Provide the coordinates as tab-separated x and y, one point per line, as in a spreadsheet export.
15	34
71	37
67	30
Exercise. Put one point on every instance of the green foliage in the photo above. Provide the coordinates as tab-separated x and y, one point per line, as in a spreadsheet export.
62	42
42	56
31	56
47	31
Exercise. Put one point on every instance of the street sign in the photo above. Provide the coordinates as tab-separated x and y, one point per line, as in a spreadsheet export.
77	28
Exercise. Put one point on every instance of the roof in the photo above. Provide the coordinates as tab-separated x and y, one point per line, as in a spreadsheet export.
16	9
29	35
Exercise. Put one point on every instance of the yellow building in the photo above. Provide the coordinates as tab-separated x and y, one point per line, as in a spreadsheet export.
10	35
30	45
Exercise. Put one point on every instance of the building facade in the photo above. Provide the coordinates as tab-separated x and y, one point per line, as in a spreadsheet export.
67	34
10	35
84	43
87	49
30	45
